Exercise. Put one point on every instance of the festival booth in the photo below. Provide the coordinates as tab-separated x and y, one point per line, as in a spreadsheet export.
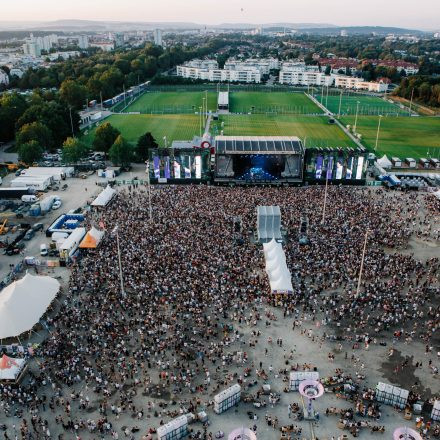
173	430
296	377
227	398
104	197
92	239
435	413
24	302
276	268
390	395
12	370
384	162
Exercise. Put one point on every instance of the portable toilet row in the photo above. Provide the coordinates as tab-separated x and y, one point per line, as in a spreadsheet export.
227	398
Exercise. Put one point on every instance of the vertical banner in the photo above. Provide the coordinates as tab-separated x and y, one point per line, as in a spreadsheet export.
177	170
330	168
187	166
318	172
360	166
167	173
349	168
198	162
156	166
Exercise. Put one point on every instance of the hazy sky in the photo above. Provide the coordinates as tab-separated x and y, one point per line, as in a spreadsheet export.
420	14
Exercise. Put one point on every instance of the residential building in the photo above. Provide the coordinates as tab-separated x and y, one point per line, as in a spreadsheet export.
16	72
32	49
83	41
248	75
305	78
265	65
350	82
344	33
4	79
157	35
202	64
437	35
106	46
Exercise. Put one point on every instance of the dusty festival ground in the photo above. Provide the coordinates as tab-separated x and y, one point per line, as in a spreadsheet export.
303	343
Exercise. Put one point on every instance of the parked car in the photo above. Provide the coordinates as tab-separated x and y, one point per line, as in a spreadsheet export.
43	249
56	204
29	234
38	227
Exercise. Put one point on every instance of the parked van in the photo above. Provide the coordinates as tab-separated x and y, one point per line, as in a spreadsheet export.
59	236
29	199
44	250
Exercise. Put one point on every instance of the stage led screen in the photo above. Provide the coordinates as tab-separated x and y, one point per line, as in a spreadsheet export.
330	168
360	166
349	168
318	169
167	172
339	168
177	170
198	164
156	166
187	166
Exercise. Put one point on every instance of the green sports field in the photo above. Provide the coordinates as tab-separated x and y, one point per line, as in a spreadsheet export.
400	136
316	130
172	102
174	127
272	102
368	105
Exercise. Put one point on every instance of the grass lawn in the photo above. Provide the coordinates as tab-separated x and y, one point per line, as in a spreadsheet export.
400	136
174	127
316	129
172	102
268	102
368	105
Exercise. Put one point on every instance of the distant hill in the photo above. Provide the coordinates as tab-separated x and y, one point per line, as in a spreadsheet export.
99	26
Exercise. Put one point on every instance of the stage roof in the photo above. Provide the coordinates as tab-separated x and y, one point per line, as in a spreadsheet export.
258	145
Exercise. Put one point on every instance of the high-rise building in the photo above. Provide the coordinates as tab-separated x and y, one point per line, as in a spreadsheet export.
83	41
157	37
32	48
118	38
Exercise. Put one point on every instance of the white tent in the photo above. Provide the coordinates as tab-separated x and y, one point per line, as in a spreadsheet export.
384	162
276	267
92	239
11	369
104	196
24	302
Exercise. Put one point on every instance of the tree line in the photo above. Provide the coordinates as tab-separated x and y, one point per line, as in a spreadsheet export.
422	88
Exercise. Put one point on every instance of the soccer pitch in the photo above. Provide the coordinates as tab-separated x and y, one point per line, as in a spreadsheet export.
368	105
172	102
316	131
174	127
272	102
400	136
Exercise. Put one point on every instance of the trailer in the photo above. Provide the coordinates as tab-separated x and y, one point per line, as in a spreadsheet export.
435	163
424	163
57	173
397	163
15	193
71	244
410	162
39	183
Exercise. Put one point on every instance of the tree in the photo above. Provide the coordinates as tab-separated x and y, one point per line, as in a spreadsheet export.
105	137
11	108
74	150
121	152
73	93
145	143
34	132
30	152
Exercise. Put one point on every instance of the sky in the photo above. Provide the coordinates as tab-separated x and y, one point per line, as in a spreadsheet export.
422	14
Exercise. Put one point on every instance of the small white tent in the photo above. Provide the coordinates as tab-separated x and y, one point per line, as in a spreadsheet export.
24	302
11	369
92	239
384	162
104	196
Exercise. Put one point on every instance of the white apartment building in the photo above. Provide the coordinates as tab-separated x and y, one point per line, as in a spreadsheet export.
4	79
83	41
32	49
16	72
157	35
249	75
305	78
201	64
350	82
265	65
106	46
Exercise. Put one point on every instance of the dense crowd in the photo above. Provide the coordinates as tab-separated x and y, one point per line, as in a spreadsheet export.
162	346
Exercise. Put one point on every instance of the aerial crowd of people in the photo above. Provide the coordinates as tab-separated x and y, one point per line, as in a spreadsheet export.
121	359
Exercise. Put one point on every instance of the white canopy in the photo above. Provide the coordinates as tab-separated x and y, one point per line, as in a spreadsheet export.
24	302
92	239
104	196
384	162
11	368
279	275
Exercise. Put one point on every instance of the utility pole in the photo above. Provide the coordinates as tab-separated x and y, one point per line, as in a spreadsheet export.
410	103
121	278
71	121
325	198
356	118
322	92
377	135
326	99
200	120
340	103
362	264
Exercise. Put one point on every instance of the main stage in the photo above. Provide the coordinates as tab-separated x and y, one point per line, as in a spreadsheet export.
258	160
